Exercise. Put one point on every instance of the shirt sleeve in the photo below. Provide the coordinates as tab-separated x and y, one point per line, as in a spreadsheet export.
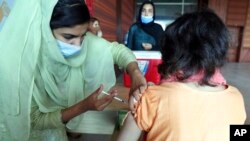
40	120
146	110
122	55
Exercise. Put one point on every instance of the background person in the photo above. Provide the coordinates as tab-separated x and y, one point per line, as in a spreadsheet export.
53	70
94	27
193	102
145	33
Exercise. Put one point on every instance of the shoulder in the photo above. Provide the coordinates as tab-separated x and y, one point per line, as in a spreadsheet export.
233	91
236	101
158	26
233	88
155	93
134	26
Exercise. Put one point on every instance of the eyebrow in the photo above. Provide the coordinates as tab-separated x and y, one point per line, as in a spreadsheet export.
150	9
69	34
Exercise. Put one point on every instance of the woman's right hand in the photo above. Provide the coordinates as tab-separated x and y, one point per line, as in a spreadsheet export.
147	46
94	102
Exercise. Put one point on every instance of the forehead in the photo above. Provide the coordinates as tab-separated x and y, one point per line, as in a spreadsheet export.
75	30
96	22
147	6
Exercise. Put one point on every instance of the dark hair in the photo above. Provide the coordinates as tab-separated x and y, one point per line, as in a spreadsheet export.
194	42
93	19
141	7
68	13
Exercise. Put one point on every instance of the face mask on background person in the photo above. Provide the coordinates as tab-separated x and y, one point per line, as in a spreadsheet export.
99	33
68	50
146	19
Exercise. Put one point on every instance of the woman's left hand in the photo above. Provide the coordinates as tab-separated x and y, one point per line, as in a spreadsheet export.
138	84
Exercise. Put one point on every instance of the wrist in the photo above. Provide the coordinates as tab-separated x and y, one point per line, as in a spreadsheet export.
133	69
73	111
136	73
81	107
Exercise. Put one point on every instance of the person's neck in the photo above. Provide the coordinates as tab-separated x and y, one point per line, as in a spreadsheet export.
207	88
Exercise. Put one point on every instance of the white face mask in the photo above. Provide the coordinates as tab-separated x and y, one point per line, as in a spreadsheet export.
68	50
99	33
146	19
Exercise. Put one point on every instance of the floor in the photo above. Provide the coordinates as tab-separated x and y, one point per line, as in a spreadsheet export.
237	74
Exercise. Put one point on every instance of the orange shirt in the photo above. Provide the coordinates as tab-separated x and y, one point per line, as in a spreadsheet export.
177	112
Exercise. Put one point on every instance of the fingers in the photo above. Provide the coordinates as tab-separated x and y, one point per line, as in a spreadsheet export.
104	105
142	88
105	100
132	104
113	91
98	91
136	94
151	84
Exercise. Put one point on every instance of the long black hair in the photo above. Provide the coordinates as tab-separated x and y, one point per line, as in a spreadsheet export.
68	13
194	42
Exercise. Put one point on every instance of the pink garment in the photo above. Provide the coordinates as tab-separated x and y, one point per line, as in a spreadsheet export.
216	79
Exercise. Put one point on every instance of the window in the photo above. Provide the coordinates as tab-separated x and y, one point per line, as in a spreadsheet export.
167	11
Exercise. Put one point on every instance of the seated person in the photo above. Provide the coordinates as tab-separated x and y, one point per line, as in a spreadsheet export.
193	102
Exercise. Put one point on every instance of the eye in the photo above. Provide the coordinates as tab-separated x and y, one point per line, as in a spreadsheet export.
68	36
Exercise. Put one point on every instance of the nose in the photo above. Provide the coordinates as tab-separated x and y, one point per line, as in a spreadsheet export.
145	13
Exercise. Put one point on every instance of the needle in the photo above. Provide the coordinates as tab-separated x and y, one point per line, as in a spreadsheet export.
117	98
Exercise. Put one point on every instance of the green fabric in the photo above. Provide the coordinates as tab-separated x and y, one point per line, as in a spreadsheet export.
19	48
33	70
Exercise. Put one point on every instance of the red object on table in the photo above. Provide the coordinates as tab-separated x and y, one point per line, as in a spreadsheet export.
148	62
